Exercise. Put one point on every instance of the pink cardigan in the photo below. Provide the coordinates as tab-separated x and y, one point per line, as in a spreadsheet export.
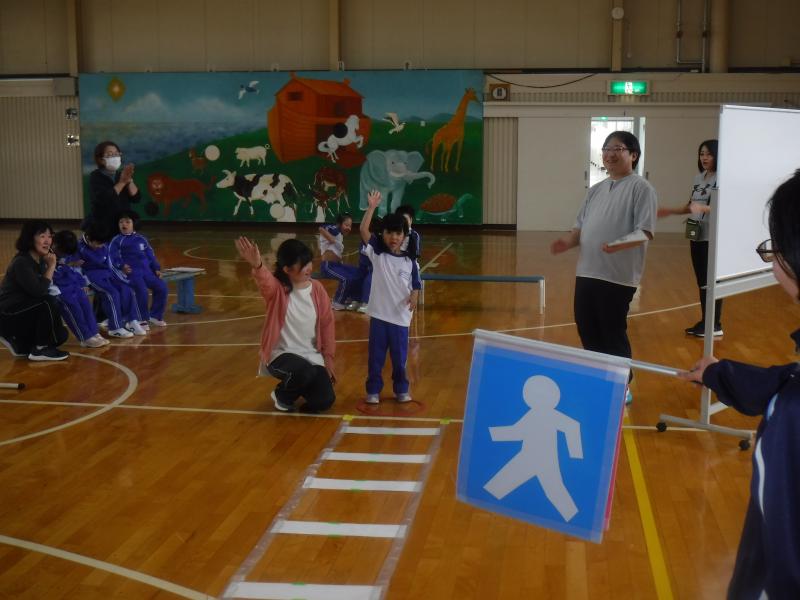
276	298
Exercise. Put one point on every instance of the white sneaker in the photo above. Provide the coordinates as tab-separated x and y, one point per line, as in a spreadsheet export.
135	328
363	308
337	306
145	325
373	399
404	397
93	342
157	322
120	333
353	305
103	324
101	339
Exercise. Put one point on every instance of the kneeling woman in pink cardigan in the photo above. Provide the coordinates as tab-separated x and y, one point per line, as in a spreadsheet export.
297	341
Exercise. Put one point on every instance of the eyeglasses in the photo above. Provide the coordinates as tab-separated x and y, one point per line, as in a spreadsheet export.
766	251
614	149
112	155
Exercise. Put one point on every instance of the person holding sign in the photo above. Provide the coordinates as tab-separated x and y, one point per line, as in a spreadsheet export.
768	559
698	206
615	223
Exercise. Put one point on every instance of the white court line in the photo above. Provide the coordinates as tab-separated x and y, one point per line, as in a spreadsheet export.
301	591
133	382
442	251
155	582
372	530
392	430
381	458
358	485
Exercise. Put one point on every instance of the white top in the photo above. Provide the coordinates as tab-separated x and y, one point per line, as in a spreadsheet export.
298	335
338	247
392	277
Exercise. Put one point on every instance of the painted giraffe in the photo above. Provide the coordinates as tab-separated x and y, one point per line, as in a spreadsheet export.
452	133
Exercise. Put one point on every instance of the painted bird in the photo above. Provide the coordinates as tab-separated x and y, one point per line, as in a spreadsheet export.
249	88
397	126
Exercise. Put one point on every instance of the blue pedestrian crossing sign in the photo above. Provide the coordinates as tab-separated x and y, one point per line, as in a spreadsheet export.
541	432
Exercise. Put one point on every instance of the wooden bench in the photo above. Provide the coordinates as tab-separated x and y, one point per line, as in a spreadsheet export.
184	283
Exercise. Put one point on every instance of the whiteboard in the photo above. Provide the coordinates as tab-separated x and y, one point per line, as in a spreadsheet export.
758	150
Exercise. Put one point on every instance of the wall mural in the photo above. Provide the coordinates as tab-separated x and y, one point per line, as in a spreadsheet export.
292	146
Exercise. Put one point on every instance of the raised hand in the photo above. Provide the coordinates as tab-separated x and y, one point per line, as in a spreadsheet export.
248	251
374	199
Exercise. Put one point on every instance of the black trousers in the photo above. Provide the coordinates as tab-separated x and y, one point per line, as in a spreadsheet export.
299	377
601	314
699	252
34	322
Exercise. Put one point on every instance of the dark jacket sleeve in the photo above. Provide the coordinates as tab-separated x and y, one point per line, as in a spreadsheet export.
26	274
746	388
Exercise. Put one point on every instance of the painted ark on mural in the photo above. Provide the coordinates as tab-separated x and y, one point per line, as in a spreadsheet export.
292	146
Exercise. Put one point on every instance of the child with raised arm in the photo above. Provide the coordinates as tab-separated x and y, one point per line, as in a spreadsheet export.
132	254
331	246
298	340
393	299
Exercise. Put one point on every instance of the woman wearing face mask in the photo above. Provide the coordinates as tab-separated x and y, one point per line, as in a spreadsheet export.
111	188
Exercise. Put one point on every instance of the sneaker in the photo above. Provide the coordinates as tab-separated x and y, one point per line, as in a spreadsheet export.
338	306
120	333
135	328
280	405
373	399
103	324
101	339
47	353
628	398
13	346
404	397
93	342
353	305
363	308
144	325
699	330
157	322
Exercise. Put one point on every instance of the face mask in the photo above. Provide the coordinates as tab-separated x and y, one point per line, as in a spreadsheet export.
113	163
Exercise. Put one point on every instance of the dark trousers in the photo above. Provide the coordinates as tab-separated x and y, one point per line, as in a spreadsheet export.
699	252
385	336
299	377
601	313
35	322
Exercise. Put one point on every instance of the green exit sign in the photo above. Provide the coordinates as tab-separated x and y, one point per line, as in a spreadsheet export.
628	88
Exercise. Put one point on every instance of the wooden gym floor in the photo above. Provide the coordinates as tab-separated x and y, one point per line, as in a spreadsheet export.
154	467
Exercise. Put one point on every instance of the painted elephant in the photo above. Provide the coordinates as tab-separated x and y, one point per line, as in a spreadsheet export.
389	172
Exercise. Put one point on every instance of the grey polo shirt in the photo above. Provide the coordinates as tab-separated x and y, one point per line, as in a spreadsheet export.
612	209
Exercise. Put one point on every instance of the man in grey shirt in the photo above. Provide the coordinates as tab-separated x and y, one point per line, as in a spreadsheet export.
612	229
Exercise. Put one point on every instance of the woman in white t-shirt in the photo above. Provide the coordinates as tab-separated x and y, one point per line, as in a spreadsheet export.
298	337
699	206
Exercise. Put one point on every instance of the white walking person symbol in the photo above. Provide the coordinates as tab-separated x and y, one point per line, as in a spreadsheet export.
538	431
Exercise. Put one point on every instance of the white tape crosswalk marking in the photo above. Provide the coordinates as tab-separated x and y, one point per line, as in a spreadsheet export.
372	485
293	591
340	529
393	430
377	457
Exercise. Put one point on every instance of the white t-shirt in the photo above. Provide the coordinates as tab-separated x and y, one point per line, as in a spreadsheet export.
393	278
298	335
324	245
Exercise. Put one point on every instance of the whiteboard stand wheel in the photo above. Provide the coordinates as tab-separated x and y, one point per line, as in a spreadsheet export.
661	426
744	445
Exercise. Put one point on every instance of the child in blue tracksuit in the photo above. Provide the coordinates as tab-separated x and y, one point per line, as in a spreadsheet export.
69	288
132	254
331	246
393	298
413	243
768	560
365	266
116	296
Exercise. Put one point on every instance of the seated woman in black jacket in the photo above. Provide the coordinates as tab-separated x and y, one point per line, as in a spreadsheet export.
30	322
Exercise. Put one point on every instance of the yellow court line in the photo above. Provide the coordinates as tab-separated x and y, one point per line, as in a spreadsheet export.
654	553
